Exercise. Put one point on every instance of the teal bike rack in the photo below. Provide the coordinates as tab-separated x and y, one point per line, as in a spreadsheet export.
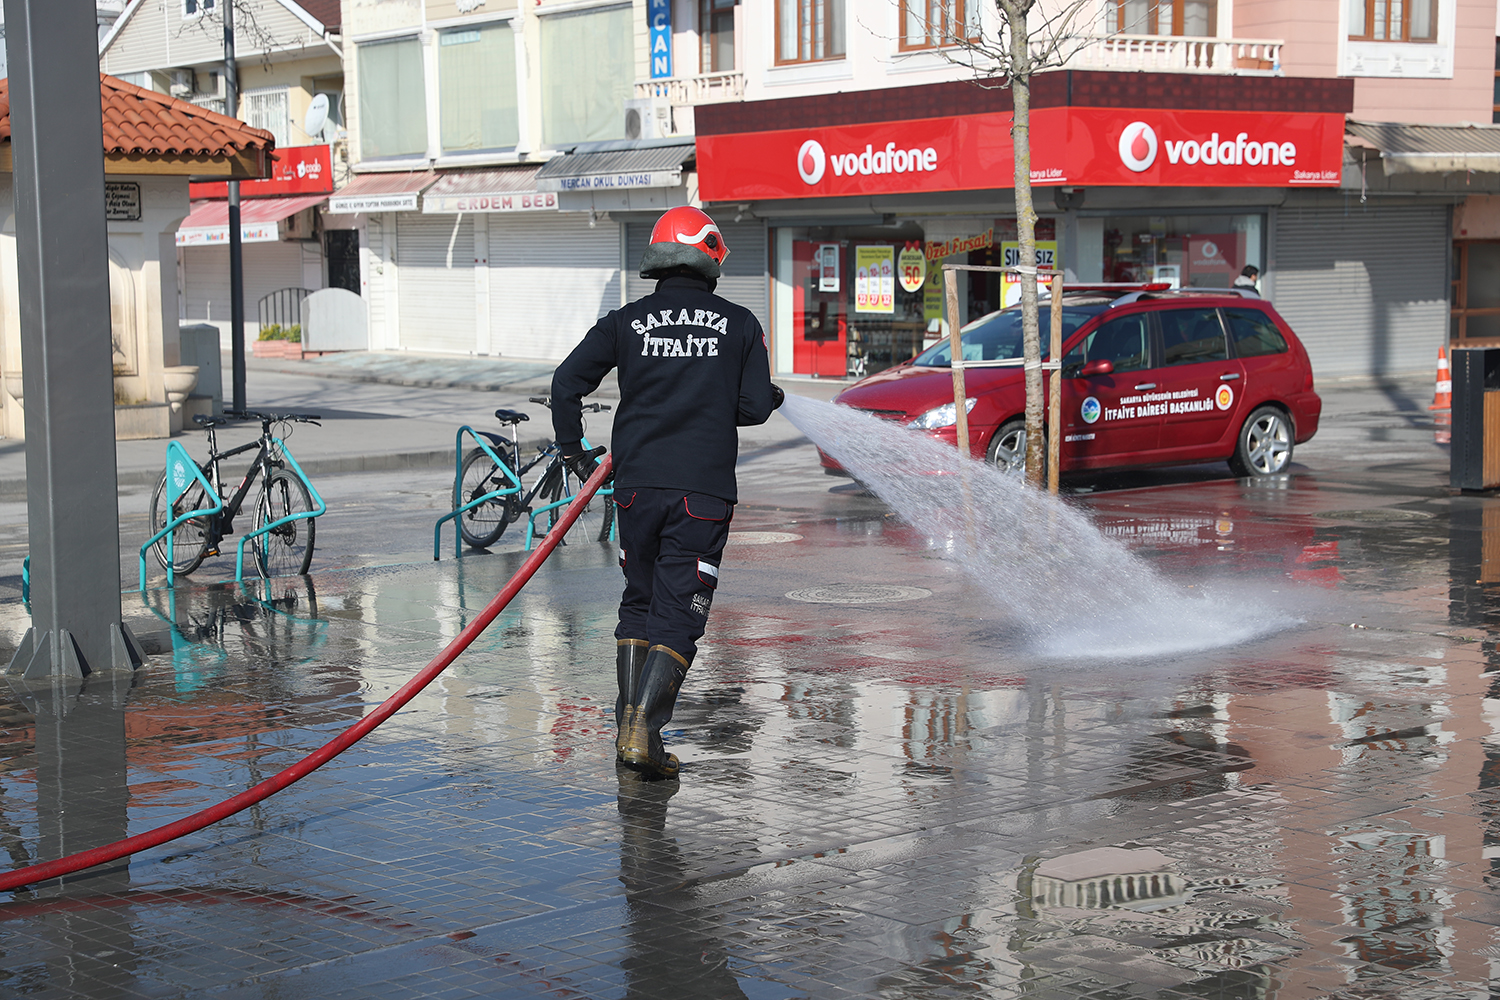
605	493
306	515
458	473
181	472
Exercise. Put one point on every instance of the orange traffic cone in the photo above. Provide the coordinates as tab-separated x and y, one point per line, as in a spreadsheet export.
1442	401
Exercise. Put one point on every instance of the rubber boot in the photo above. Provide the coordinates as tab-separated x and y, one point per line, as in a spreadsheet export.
640	745
630	657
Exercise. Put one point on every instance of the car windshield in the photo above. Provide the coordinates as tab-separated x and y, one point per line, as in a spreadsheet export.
997	336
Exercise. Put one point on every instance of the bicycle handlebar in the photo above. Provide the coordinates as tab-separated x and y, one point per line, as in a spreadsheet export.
265	418
587	407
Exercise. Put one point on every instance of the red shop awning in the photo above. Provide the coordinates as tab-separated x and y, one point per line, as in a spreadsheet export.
260	218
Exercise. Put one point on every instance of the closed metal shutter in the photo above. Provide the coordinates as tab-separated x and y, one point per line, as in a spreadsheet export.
551	278
435	282
745	280
205	288
1365	288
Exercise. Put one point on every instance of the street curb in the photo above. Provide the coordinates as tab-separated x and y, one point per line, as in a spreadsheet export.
531	385
15	489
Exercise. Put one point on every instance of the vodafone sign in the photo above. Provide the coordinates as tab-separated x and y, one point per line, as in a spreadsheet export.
1073	146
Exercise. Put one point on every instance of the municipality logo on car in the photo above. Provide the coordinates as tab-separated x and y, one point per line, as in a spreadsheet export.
1224	398
1091	410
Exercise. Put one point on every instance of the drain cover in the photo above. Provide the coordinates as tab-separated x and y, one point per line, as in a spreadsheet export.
762	537
1374	514
858	593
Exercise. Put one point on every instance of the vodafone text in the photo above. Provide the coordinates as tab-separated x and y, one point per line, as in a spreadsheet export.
1228	154
889	160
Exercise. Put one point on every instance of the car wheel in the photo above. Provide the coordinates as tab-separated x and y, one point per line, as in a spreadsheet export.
1264	447
1007	450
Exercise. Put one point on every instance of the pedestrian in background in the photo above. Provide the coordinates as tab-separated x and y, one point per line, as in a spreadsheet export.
1247	281
693	367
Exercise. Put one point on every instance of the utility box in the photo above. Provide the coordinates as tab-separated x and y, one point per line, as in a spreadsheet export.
200	346
1475	458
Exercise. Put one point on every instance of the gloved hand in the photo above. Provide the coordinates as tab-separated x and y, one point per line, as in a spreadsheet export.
583	464
777	396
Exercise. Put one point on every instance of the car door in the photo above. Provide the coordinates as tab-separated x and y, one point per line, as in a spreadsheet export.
1271	369
1199	386
1101	425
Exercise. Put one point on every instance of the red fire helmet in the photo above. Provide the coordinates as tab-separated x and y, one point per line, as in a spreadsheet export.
690	227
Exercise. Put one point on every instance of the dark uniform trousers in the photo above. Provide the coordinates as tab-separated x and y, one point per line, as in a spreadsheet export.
671	544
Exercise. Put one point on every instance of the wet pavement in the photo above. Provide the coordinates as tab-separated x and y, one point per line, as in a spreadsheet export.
884	793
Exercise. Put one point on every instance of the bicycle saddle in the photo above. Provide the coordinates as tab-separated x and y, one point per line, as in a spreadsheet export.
510	416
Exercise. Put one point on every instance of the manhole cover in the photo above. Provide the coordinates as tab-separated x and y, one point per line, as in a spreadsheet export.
1374	514
858	593
762	537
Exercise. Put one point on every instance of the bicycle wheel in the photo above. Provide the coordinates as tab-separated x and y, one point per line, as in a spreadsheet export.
190	540
593	525
288	548
482	526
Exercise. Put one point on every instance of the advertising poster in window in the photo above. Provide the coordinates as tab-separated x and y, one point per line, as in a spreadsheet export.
1214	259
1010	284
875	279
828	267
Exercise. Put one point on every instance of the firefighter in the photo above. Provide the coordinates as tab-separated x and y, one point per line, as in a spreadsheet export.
693	367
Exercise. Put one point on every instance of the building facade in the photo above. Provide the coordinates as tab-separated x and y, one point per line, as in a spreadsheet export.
1357	242
289	56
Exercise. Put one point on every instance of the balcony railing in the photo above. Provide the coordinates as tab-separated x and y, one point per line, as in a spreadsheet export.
1179	54
688	91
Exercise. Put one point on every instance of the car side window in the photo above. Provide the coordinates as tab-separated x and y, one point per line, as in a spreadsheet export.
1125	342
1190	336
1255	334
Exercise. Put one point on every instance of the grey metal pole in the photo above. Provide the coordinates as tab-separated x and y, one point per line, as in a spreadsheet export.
62	254
236	249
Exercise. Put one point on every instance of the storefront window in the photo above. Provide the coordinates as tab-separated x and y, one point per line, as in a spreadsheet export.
477	87
860	300
1185	251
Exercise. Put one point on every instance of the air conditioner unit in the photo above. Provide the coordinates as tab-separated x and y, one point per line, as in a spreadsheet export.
182	83
648	118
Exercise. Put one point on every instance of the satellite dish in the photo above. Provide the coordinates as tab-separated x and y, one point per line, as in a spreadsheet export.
317	115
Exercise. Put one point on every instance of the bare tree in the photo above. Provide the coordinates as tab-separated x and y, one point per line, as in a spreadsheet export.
1033	36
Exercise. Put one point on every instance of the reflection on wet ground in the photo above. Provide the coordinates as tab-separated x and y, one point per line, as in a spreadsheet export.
882	794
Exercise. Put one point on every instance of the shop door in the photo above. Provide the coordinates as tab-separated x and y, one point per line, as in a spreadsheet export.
435	292
819	323
1105	420
1202	388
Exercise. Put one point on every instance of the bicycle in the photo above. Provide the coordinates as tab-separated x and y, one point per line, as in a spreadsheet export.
283	529
483	524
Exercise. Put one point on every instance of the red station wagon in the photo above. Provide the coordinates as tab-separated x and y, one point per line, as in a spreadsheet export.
1150	376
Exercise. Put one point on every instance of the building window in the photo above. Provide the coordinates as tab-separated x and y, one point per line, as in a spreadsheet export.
809	30
1495	117
586	107
267	109
929	24
716	28
392	99
477	88
192	8
1475	310
1393	20
1190	18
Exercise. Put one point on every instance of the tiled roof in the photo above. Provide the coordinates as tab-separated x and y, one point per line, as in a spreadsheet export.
137	120
326	11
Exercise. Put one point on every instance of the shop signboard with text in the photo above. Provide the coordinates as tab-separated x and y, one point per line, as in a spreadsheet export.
295	170
1072	146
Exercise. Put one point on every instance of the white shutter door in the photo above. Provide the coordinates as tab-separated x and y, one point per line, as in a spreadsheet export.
1365	289
435	283
267	268
551	278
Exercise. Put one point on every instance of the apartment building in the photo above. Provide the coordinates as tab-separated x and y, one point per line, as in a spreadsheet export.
1331	144
289	55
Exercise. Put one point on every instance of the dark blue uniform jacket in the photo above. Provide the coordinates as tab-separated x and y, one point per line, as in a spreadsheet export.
693	368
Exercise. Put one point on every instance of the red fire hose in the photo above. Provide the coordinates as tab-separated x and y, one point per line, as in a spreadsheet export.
331	749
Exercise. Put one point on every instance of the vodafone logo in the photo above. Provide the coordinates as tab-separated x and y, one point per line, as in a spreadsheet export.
811	161
1138	146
